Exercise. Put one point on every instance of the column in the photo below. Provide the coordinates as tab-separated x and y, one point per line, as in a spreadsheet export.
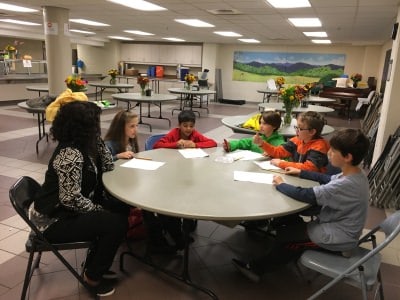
58	47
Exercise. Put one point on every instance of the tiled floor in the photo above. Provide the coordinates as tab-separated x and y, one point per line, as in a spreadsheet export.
210	255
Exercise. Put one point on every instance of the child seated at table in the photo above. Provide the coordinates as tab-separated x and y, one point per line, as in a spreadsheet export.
343	199
307	150
185	135
121	137
270	122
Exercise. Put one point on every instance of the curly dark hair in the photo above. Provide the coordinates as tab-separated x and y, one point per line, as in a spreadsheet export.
116	132
78	124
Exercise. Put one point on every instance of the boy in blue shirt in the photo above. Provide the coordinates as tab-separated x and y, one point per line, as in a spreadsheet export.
343	199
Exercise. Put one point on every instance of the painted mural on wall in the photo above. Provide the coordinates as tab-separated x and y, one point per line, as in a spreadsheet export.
299	68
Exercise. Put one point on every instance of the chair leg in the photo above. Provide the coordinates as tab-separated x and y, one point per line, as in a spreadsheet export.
28	275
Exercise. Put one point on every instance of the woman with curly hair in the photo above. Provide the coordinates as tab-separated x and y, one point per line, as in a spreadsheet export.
70	206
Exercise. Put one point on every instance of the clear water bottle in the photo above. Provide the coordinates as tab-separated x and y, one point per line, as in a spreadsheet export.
178	71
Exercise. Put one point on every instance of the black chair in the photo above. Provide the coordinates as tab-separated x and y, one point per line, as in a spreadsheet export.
21	196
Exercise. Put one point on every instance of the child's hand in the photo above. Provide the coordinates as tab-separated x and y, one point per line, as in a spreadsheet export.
258	140
126	155
225	144
189	144
277	180
180	143
275	162
292	171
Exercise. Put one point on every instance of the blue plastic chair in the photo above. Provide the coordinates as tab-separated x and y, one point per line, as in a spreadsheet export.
151	140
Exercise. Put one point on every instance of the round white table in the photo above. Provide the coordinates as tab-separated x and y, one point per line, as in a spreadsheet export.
38	88
102	86
235	122
198	188
187	98
155	99
296	110
267	94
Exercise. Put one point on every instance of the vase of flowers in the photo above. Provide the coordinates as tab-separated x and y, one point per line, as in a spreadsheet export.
189	79
279	81
75	83
113	74
291	97
356	79
143	82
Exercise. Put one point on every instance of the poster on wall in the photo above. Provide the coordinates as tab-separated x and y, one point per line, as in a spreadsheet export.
296	68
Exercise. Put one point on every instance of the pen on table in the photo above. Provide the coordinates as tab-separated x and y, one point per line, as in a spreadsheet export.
144	158
238	158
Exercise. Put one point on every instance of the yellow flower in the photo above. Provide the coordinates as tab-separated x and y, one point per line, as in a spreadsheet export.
280	81
190	78
113	73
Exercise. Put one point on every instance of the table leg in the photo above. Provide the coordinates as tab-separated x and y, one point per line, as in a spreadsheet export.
140	117
160	113
42	130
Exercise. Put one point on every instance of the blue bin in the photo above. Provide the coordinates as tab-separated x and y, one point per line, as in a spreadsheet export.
184	71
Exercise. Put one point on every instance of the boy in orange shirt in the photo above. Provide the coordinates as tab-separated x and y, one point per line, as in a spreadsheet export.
307	150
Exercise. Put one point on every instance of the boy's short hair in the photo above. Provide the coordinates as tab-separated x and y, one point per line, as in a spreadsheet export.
352	141
272	118
313	120
186	116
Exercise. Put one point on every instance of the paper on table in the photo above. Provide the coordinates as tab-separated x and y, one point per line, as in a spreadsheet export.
193	153
244	155
253	177
143	164
266	165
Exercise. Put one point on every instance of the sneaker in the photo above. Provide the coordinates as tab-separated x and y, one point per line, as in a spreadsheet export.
103	289
110	275
246	270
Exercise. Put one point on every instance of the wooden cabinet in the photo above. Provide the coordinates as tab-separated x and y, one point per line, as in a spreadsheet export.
163	54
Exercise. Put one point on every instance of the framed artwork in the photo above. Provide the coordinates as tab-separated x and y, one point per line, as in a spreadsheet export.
299	68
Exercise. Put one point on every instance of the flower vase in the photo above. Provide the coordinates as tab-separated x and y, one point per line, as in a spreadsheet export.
187	86
143	90
355	84
113	80
287	118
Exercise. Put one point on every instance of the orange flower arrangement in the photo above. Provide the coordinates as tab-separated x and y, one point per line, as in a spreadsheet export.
76	83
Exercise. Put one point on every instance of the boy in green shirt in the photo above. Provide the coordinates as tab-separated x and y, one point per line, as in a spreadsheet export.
270	122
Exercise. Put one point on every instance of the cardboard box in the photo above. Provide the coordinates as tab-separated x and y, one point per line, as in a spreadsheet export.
131	72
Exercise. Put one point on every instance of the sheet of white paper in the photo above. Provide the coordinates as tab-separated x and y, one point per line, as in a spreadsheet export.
143	164
266	165
193	153
27	63
253	177
244	155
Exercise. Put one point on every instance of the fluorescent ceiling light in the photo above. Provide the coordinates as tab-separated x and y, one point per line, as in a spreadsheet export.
82	31
88	22
316	34
139	5
173	39
249	40
19	22
321	41
138	32
305	22
227	33
289	3
116	37
5	6
194	22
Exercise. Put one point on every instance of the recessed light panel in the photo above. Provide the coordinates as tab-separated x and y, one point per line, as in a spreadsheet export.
316	34
82	31
321	41
138	32
172	39
115	37
289	3
227	33
249	41
88	22
194	22
19	22
10	7
305	22
139	5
